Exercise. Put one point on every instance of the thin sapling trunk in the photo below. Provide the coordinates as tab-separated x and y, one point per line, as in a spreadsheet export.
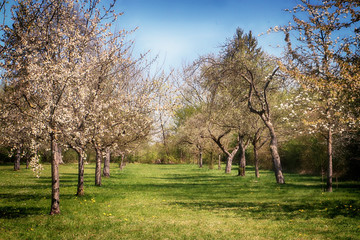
330	162
55	186
17	159
98	167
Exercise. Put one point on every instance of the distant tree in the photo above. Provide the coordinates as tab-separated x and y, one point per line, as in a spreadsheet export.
189	119
234	122
222	118
193	132
258	140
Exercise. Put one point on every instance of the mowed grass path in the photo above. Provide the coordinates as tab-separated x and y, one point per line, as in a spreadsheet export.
176	202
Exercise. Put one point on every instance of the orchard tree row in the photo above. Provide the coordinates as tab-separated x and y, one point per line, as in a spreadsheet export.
243	96
70	81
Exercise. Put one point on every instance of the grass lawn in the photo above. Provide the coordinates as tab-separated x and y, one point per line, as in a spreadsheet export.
176	202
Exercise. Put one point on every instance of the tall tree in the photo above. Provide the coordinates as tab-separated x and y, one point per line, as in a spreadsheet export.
322	44
243	73
194	132
250	65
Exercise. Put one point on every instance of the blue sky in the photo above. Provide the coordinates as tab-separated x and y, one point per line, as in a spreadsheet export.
180	31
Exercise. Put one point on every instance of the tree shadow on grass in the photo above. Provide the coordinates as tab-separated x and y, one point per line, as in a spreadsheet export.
18	198
13	211
32	186
192	178
22	197
20	212
353	187
274	211
302	186
66	180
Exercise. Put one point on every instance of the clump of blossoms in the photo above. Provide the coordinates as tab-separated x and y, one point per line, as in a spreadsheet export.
36	166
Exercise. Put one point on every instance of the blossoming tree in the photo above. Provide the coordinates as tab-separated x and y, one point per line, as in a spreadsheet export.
44	55
322	42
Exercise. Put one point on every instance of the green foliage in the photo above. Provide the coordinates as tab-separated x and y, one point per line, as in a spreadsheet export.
353	161
154	153
347	157
176	202
242	44
158	153
70	156
45	156
305	154
4	155
182	114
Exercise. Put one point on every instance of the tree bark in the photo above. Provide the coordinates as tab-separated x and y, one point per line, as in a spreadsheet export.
211	164
59	154
98	167
219	162
80	187
106	170
256	160
17	159
230	156
122	163
275	154
255	142
55	186
330	162
242	161
228	164
230	159
200	158
27	163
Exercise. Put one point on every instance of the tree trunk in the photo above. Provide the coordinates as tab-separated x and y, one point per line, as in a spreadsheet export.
230	159
27	158
122	163
98	167
330	164
275	153
211	164
17	159
55	195
27	163
219	162
229	163
276	160
242	165
59	154
106	170
242	161
80	187
200	158
256	160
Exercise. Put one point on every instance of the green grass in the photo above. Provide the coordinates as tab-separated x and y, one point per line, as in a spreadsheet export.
176	202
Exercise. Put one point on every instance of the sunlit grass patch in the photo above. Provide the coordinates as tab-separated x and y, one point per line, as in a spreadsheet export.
176	202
